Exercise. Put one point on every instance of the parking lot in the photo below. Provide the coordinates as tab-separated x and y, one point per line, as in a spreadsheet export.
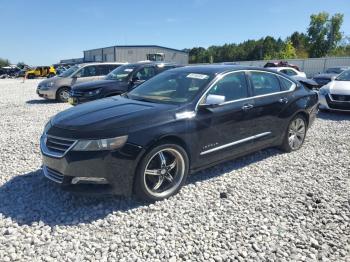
266	206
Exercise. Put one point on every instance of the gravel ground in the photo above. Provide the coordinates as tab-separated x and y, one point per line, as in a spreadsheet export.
267	206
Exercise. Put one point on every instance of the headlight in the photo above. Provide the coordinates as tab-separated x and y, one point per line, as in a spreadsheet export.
94	92
101	144
323	91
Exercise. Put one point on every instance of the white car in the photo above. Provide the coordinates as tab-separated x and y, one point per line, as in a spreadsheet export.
336	94
289	71
296	75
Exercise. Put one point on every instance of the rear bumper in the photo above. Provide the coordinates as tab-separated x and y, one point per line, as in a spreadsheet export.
109	172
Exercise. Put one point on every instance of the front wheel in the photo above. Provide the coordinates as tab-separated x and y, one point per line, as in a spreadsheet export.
295	135
161	173
62	94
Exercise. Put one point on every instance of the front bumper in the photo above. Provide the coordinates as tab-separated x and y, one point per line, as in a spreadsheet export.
115	169
79	99
48	94
328	103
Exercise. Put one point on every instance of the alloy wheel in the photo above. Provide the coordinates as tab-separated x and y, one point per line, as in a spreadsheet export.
296	133
64	95
164	172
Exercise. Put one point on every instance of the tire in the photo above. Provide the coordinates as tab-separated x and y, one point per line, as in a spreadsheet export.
62	94
295	134
50	75
30	76
161	173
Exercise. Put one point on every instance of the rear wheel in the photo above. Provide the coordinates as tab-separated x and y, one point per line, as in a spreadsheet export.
62	94
30	76
295	135
50	75
161	173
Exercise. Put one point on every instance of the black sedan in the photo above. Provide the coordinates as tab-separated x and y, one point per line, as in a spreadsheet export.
183	120
120	80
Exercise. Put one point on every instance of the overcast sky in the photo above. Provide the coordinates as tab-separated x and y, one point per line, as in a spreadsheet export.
43	32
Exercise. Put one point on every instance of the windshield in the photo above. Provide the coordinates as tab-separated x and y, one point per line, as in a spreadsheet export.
171	87
69	72
345	76
335	70
121	73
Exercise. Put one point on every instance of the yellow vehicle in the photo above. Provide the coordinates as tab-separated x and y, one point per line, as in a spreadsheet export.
41	71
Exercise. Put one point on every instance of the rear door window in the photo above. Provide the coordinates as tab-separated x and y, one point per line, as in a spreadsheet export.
88	71
286	84
264	83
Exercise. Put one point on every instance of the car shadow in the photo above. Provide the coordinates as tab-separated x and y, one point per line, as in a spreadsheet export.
334	116
31	198
41	101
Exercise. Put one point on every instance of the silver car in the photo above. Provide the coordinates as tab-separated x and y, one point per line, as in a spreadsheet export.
58	87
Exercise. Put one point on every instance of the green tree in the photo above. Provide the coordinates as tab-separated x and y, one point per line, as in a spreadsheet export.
324	33
4	62
288	51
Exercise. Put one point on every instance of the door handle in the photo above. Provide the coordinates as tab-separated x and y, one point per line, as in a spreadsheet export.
283	100
247	107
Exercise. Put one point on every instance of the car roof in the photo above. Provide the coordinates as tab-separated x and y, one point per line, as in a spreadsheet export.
281	68
104	63
218	69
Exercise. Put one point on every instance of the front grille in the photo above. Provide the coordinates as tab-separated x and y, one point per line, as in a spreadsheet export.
338	105
342	98
58	145
53	175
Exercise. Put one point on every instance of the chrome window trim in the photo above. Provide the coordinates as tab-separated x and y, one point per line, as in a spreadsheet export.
235	143
294	86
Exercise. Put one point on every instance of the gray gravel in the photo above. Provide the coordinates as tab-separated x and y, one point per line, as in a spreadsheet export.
267	206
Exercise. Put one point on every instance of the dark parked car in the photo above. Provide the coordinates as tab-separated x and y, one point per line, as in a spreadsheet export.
119	81
183	120
329	75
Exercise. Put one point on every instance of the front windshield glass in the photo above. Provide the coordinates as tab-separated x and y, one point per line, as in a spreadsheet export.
171	87
69	72
334	70
121	73
345	76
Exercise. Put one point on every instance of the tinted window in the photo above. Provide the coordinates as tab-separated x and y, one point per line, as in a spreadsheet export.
232	86
145	73
288	72
87	71
106	69
286	84
264	83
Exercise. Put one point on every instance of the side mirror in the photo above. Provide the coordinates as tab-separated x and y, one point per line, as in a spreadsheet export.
213	101
134	79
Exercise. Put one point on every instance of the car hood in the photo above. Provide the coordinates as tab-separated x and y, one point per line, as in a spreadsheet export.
339	87
49	80
98	84
115	115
